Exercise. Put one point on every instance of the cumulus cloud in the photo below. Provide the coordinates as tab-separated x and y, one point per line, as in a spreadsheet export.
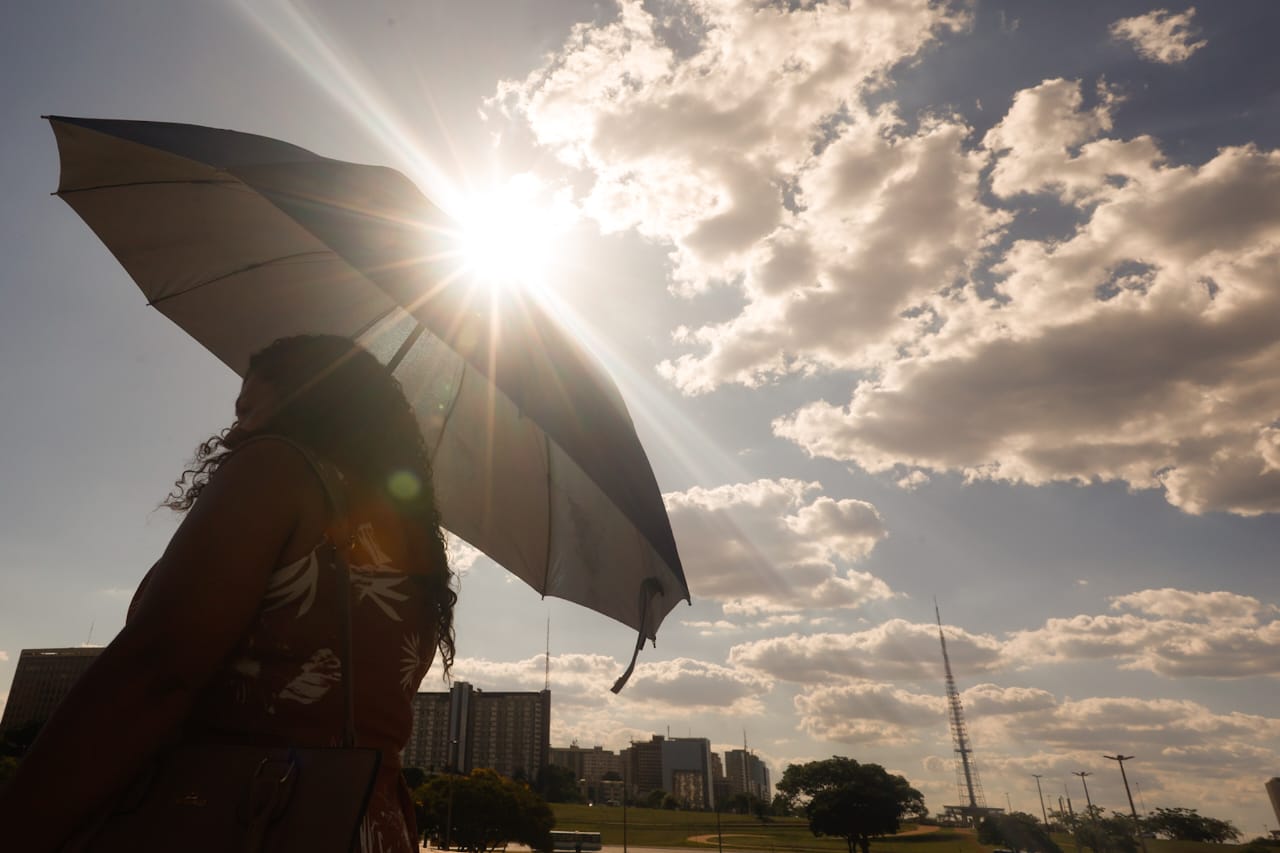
1160	35
658	690
1138	349
1134	348
1174	633
1006	722
893	650
867	712
774	545
751	154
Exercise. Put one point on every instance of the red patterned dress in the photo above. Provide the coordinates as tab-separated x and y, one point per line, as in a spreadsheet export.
281	685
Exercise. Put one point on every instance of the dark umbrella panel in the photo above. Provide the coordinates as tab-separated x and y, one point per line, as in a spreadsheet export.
241	239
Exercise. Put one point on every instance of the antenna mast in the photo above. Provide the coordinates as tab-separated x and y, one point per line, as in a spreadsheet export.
967	782
546	683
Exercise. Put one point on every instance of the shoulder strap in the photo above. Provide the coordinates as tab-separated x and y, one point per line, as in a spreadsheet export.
340	541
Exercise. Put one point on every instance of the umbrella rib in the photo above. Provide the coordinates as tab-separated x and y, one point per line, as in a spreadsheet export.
128	184
546	563
247	268
444	423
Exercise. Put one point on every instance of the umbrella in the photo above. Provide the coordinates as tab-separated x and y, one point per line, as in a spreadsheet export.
241	239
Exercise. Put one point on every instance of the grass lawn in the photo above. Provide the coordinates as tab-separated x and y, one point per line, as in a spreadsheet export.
663	828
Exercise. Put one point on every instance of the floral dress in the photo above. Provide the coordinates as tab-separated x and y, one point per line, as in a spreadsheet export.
282	683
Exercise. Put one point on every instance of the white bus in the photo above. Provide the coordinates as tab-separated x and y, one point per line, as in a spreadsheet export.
567	839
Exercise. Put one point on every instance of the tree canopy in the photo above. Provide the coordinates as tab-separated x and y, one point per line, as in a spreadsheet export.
483	811
845	799
1017	831
1188	825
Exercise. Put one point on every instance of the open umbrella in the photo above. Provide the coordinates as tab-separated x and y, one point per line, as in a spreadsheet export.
241	239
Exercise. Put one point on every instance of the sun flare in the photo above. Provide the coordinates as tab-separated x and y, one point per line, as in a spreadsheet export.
511	233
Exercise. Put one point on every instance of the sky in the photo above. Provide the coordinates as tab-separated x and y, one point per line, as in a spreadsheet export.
975	302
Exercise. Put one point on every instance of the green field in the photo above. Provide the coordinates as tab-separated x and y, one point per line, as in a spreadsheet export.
664	828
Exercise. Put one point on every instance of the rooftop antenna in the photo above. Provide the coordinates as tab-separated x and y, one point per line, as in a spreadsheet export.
546	682
970	787
89	640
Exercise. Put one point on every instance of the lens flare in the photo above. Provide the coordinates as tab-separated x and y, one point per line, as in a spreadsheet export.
404	485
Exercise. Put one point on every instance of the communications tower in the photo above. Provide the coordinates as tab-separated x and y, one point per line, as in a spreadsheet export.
967	782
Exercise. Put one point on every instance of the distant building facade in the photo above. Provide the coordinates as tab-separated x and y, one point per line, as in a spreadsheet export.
745	773
41	680
466	728
589	765
682	766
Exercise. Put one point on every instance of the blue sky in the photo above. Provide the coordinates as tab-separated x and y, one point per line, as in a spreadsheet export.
974	301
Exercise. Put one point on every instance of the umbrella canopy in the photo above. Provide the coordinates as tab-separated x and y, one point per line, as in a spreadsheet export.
241	239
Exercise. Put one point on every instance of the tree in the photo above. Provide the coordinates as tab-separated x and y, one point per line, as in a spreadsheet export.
482	811
1188	825
845	799
1016	831
655	798
558	785
1090	829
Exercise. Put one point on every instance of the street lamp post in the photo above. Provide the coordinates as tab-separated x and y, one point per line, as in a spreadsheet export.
1088	802
1043	812
1137	826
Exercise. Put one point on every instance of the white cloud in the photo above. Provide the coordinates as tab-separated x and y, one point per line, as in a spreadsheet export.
1199	606
1200	634
1160	36
867	712
771	546
895	649
1139	349
657	691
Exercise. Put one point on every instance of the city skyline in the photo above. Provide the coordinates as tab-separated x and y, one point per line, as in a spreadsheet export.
969	300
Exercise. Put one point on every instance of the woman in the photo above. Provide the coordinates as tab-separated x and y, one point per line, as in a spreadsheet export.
229	636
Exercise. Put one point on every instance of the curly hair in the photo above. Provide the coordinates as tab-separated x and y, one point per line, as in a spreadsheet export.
339	401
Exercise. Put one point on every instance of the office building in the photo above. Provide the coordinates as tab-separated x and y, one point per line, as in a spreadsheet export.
466	728
42	678
682	766
587	765
746	774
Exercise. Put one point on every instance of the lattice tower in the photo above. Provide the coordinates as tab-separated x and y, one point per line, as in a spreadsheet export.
967	782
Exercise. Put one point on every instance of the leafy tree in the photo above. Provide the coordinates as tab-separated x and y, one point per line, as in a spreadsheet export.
845	799
8	768
413	776
1092	830
1016	831
655	798
558	785
1188	825
486	810
780	807
16	740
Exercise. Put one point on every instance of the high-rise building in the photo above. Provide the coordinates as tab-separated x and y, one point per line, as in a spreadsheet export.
745	773
588	765
680	766
466	728
1273	791
643	762
42	678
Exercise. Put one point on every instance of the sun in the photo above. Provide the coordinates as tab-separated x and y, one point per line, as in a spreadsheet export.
512	233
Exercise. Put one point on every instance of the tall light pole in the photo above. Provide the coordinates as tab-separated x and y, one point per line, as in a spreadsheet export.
1137	827
1039	791
1088	802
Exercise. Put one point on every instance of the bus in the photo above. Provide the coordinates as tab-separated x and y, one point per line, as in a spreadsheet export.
567	839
